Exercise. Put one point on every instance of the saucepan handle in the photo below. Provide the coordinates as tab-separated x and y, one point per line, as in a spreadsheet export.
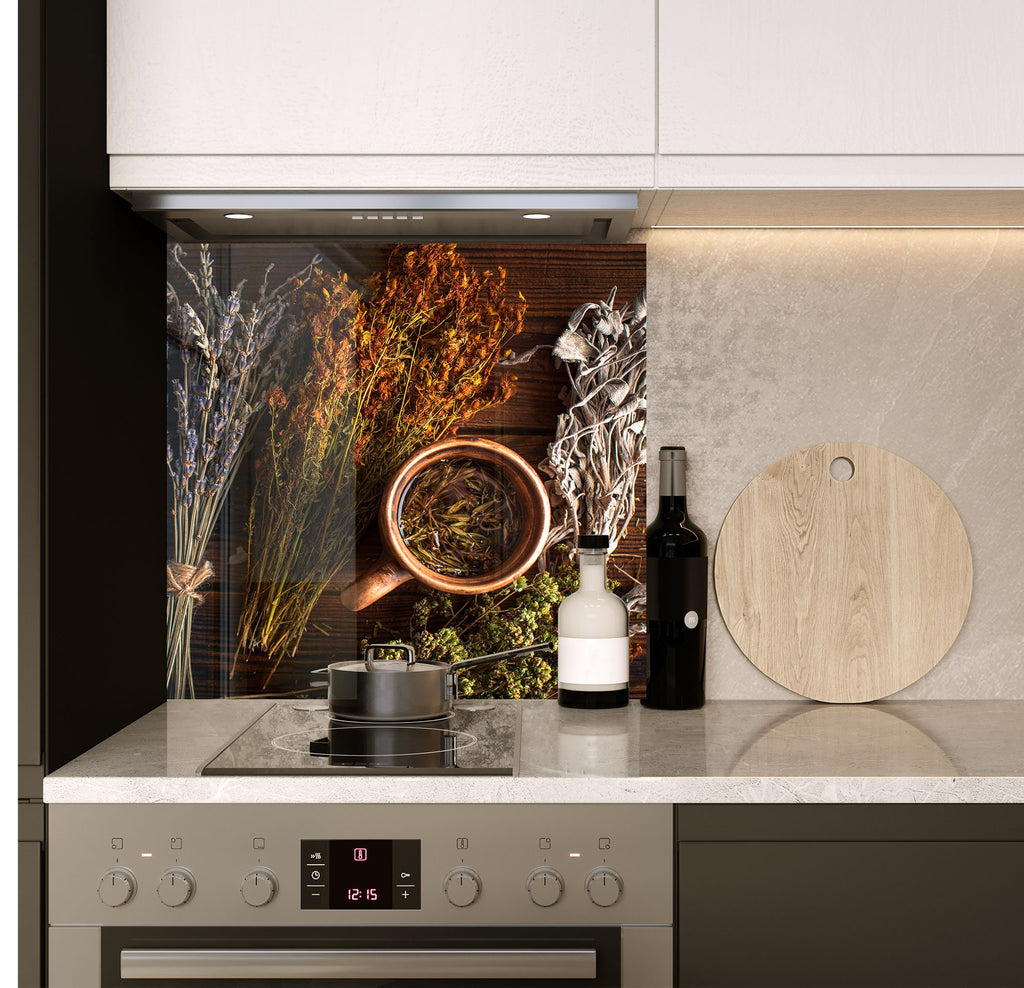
498	656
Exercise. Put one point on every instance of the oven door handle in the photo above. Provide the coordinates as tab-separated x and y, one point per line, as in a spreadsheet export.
447	965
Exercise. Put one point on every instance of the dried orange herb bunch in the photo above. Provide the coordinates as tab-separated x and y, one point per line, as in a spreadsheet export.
435	330
375	376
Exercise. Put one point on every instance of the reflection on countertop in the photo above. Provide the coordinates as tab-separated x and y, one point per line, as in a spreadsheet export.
729	751
843	740
759	739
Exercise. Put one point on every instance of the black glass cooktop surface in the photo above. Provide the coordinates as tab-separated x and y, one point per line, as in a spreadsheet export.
298	738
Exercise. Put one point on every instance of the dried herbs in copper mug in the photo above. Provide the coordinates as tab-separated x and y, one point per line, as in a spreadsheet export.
459	518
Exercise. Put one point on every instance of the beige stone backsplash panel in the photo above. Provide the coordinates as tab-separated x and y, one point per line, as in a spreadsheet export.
766	341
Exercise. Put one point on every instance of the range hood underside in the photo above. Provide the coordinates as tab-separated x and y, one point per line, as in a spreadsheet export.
579	217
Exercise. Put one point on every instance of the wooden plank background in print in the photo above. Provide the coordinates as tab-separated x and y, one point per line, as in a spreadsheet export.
554	279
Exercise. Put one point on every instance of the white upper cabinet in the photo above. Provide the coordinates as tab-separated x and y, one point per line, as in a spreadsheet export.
381	77
841	77
565	94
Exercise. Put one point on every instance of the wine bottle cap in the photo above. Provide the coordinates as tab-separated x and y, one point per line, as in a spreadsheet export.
593	542
672	453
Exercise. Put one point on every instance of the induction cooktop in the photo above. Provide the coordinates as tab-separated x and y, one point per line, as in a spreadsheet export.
299	738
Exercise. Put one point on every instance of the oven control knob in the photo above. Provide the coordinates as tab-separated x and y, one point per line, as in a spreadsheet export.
545	886
176	887
259	886
462	886
604	887
117	887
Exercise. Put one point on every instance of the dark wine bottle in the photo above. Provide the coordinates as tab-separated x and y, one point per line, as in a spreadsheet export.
677	594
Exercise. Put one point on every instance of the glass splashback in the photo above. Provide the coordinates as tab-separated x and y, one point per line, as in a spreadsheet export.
395	443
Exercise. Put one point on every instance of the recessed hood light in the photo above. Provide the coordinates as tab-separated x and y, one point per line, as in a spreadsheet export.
536	216
238	216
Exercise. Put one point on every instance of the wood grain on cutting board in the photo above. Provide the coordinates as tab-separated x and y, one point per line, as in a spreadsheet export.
843	590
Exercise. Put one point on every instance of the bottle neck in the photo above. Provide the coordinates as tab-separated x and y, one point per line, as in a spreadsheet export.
672	479
672	486
593	569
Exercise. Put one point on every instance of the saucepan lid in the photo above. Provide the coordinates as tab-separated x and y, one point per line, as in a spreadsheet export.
371	665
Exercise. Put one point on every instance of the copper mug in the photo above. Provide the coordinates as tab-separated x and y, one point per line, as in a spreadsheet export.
397	565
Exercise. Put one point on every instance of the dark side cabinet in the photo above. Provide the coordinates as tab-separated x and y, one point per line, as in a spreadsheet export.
880	895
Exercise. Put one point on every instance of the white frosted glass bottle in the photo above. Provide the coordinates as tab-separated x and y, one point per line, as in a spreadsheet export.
593	636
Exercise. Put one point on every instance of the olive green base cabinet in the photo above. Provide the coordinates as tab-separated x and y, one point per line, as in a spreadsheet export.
822	896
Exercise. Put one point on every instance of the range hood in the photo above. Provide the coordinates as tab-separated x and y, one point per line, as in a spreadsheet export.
574	217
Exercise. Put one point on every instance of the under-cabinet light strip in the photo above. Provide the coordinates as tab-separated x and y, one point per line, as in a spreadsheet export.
830	226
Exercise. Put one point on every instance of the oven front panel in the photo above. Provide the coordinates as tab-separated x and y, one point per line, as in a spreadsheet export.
311	865
88	956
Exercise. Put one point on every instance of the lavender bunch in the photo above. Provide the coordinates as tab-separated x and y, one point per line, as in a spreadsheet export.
601	439
231	357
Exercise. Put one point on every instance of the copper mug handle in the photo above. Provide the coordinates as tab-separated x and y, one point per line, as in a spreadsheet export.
386	574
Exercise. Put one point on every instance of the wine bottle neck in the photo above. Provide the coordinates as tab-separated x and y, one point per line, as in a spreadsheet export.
672	481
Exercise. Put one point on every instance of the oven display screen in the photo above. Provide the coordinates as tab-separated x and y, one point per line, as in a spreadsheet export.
360	874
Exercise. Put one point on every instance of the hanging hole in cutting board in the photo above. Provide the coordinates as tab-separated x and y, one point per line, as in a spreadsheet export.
841	468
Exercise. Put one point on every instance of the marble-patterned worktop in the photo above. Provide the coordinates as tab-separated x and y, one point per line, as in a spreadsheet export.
967	751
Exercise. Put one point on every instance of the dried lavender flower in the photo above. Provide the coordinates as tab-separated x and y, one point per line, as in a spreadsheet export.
226	323
223	383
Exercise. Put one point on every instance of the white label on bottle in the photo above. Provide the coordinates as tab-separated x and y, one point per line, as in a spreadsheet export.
593	663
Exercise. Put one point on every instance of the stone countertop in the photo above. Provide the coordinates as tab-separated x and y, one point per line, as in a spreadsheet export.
967	751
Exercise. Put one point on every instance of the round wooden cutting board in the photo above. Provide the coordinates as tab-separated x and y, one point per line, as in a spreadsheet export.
843	590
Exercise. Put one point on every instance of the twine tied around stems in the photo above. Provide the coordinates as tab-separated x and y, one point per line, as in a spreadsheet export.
185	580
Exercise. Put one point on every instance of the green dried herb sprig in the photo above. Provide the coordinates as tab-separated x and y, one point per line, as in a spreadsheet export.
446	628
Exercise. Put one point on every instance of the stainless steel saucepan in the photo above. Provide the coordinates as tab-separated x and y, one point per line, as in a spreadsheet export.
396	690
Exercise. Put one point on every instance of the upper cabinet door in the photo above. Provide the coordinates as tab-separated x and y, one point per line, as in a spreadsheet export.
393	77
841	77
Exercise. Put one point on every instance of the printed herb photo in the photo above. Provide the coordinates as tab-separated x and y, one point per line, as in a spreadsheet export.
397	445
